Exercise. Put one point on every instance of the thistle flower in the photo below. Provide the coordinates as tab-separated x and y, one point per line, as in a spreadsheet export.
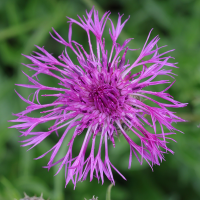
103	97
26	197
93	198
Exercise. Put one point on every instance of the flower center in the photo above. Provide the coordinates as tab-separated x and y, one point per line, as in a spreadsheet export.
105	98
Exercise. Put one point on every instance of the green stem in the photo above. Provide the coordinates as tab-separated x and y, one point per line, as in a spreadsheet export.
108	193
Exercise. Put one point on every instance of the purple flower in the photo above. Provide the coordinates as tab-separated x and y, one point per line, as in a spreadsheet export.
103	97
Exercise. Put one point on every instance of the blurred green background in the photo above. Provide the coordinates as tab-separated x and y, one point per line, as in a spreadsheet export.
27	23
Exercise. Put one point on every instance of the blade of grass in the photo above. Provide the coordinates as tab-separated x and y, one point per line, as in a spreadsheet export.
10	191
18	29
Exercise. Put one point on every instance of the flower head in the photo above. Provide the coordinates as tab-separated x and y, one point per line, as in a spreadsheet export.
26	197
101	95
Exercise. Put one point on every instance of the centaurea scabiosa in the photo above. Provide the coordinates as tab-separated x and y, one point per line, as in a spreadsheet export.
102	96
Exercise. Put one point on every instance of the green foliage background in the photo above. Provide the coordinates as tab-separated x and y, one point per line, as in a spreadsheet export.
24	24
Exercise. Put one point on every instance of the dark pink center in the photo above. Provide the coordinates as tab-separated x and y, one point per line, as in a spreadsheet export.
105	98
